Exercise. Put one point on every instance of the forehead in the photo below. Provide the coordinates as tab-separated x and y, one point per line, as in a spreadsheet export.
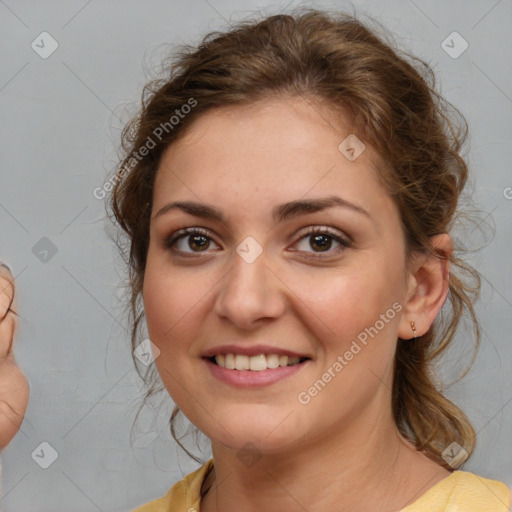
253	157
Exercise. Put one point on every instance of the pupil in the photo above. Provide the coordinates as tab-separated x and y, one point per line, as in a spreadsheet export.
198	237
327	241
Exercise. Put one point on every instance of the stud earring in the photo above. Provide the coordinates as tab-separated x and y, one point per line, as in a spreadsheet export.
413	327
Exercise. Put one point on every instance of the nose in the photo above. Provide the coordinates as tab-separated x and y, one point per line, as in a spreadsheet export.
250	293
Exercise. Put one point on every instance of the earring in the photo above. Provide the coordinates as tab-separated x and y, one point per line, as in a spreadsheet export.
413	327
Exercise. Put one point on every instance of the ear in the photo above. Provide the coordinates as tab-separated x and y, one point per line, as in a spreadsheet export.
428	288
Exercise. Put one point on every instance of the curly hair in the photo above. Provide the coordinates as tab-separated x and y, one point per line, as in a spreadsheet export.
393	105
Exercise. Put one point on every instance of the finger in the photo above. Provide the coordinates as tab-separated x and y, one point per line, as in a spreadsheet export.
7	330
7	290
10	423
7	317
14	397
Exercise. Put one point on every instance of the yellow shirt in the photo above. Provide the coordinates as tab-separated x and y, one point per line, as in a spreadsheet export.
459	492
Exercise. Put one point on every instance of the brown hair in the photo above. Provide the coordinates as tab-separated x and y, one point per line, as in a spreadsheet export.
393	106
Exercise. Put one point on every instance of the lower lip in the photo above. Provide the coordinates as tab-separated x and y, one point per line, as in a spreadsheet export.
253	379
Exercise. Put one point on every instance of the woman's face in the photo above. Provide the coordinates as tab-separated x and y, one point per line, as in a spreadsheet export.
256	287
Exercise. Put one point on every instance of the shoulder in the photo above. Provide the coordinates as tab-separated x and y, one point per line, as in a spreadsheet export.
182	496
463	489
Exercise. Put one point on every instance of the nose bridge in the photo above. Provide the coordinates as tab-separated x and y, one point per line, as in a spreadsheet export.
249	291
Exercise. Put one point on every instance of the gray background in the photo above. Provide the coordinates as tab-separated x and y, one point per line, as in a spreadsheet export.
60	126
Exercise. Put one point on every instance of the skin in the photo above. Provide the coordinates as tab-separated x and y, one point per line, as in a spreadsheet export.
14	386
329	453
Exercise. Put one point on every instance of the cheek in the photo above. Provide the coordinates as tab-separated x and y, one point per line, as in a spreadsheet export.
346	301
158	306
169	300
169	310
176	304
360	305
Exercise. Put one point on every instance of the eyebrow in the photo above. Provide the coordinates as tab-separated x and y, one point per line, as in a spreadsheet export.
279	213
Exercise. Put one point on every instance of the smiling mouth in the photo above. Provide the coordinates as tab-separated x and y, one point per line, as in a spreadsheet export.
255	363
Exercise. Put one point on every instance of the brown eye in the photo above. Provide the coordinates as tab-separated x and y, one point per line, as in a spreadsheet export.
321	240
324	242
190	240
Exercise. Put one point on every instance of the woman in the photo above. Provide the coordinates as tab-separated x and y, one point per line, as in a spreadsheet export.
288	194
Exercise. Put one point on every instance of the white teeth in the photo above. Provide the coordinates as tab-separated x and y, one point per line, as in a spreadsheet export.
229	361
272	361
241	362
258	363
255	363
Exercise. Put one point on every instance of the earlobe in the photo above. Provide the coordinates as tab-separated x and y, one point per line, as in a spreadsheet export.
413	327
428	289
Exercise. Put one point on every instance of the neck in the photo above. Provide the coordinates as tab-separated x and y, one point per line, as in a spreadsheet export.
350	469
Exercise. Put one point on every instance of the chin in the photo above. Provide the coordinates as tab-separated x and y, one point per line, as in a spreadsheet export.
268	431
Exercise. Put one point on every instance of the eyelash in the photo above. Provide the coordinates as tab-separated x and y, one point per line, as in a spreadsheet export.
344	243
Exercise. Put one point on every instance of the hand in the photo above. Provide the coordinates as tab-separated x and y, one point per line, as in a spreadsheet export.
14	386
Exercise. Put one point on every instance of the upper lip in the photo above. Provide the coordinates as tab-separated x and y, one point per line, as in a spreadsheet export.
252	350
